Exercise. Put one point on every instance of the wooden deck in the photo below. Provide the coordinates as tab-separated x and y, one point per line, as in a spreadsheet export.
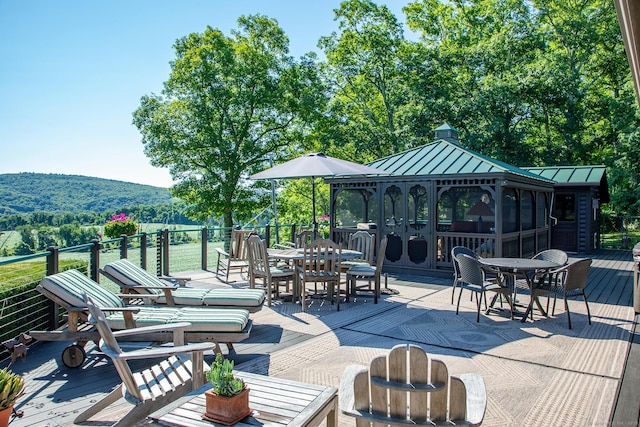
56	394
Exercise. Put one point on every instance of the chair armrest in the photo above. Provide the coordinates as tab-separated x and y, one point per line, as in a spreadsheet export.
121	309
146	298
345	393
151	329
476	397
182	281
156	352
222	252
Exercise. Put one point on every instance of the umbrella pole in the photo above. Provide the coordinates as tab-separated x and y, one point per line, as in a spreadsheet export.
313	205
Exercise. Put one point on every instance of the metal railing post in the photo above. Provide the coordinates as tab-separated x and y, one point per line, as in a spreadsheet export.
123	246
267	235
165	252
203	248
52	268
143	251
94	261
159	247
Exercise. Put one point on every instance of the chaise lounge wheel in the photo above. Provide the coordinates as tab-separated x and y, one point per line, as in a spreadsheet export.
73	356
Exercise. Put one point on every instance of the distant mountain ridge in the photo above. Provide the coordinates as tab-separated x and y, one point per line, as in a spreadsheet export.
27	192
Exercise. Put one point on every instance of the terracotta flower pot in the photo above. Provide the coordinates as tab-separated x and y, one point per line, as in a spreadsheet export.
227	410
5	414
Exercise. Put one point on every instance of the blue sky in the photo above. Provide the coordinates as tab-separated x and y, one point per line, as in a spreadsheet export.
74	71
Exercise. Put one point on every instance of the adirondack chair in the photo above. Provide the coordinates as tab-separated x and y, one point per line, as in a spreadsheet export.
236	258
157	385
396	390
153	290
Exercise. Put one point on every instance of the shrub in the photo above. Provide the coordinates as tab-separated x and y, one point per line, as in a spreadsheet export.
120	224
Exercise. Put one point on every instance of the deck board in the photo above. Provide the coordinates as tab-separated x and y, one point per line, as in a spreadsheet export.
56	393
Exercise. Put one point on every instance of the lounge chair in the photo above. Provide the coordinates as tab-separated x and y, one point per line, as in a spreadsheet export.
133	279
182	371
67	289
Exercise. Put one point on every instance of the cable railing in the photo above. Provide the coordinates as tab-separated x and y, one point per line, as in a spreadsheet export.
23	308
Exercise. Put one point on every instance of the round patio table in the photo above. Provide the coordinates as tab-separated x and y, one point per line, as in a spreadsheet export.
512	267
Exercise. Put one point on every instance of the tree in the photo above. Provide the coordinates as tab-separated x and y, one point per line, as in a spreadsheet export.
364	72
228	103
485	49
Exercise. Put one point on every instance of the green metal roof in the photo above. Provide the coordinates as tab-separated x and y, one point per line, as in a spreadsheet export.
446	158
577	176
571	174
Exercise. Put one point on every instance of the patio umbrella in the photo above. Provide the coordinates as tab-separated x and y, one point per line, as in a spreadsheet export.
316	165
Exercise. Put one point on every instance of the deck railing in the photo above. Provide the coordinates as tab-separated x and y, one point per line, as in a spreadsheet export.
22	308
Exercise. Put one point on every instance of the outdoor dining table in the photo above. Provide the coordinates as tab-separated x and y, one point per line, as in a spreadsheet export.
296	255
510	268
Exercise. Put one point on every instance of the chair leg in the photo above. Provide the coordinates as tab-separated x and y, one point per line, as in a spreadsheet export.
566	307
459	296
376	291
587	304
479	298
454	286
110	398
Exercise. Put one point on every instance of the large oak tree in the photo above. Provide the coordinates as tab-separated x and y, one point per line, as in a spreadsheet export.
229	103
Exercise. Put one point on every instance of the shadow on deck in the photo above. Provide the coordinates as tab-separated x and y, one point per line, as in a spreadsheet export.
525	366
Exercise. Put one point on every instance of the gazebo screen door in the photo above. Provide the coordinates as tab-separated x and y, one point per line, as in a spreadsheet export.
405	221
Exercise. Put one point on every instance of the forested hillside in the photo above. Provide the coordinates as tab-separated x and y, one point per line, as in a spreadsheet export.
32	192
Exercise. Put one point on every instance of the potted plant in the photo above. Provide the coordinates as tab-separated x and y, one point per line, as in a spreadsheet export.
11	388
228	399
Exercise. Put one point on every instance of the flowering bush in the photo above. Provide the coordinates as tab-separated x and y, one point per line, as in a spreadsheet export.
120	224
324	225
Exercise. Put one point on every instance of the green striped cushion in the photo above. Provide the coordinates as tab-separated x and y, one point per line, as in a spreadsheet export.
233	297
201	319
70	285
129	274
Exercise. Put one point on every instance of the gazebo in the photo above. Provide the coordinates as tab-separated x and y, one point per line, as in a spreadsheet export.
441	195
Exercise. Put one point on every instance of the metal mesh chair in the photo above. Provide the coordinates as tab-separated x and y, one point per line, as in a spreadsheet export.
472	278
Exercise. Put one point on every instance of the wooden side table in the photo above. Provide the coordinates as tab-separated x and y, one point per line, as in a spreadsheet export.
274	402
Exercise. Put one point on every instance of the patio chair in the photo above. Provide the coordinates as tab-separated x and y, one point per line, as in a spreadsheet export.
572	279
554	255
156	386
455	251
152	290
67	289
407	387
472	278
236	258
363	242
320	263
259	267
367	273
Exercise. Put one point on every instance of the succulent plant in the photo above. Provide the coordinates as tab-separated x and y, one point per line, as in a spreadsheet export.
11	388
221	377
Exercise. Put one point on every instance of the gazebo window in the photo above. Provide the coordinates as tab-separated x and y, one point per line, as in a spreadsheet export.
527	210
418	207
353	206
466	210
393	206
509	210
